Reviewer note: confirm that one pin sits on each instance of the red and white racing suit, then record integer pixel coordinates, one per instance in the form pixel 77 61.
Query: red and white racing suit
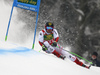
pixel 48 38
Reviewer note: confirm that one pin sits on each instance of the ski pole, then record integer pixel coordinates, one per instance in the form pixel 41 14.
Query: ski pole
pixel 40 50
pixel 76 55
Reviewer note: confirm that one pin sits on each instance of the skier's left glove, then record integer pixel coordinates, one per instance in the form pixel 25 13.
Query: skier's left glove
pixel 54 44
pixel 44 48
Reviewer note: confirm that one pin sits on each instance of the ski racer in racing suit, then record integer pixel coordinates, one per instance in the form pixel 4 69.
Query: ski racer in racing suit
pixel 48 39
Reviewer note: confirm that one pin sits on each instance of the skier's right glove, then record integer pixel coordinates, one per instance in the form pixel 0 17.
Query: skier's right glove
pixel 54 44
pixel 44 48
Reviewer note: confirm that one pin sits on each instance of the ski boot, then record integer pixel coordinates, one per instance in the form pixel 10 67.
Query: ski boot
pixel 62 57
pixel 81 63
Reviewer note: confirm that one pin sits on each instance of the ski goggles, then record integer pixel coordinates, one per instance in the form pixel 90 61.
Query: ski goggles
pixel 49 28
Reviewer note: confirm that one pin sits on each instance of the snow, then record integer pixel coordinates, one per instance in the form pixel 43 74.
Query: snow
pixel 18 60
pixel 87 31
pixel 25 61
pixel 80 11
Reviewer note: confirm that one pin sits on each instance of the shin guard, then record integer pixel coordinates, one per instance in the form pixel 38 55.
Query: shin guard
pixel 56 53
pixel 78 62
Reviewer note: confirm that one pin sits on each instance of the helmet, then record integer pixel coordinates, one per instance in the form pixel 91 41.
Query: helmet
pixel 49 24
pixel 95 53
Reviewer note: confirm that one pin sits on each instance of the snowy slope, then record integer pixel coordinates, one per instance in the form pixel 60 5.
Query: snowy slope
pixel 24 61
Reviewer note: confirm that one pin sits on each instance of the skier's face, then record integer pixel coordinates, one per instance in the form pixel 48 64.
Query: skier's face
pixel 49 29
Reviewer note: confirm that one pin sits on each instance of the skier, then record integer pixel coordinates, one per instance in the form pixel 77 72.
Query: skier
pixel 48 39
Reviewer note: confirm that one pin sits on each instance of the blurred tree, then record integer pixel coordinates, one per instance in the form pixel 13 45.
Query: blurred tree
pixel 88 20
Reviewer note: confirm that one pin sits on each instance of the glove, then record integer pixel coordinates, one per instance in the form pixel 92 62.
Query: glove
pixel 44 48
pixel 54 44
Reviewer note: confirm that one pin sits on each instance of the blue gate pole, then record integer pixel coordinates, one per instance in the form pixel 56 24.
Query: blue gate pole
pixel 35 30
pixel 9 22
pixel 39 1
